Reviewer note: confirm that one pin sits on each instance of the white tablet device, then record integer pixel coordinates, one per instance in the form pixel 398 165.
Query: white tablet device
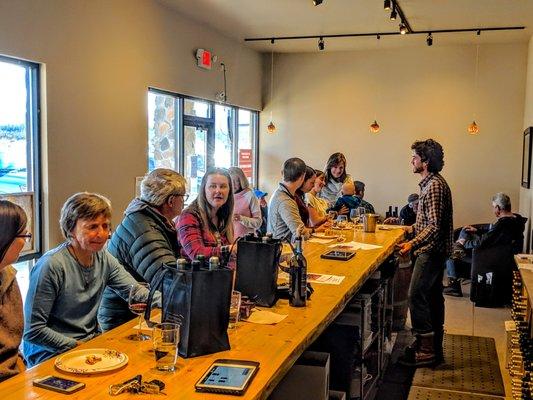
pixel 228 377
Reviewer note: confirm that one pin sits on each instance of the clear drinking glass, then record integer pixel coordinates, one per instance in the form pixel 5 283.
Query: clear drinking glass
pixel 234 309
pixel 166 338
pixel 137 302
pixel 342 221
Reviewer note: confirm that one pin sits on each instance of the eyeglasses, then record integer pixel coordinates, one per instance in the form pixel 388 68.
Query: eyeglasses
pixel 185 196
pixel 27 237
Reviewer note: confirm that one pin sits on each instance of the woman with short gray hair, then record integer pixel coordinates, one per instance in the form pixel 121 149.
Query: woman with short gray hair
pixel 146 239
pixel 67 283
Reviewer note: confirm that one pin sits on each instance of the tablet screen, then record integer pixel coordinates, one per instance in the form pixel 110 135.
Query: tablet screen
pixel 227 376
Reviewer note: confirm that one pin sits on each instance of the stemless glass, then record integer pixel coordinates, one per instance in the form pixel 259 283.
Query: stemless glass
pixel 166 338
pixel 137 303
pixel 342 220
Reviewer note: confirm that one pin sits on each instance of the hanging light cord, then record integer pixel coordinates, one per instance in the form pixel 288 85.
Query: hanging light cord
pixel 271 80
pixel 476 78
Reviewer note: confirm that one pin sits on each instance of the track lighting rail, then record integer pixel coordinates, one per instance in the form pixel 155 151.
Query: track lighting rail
pixel 479 30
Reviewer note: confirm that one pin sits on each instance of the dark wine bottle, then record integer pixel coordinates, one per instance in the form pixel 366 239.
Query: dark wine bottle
pixel 224 256
pixel 196 265
pixel 201 258
pixel 298 276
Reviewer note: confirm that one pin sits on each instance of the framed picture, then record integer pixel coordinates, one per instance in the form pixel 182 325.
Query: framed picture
pixel 526 158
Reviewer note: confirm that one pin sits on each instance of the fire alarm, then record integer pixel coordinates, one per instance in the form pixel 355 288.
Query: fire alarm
pixel 203 57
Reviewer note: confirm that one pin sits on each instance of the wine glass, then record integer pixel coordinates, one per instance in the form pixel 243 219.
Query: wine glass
pixel 342 220
pixel 137 303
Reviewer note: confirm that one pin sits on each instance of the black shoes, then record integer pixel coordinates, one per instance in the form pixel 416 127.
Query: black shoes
pixel 453 288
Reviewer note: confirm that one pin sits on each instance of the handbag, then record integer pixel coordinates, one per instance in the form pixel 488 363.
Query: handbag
pixel 199 301
pixel 257 269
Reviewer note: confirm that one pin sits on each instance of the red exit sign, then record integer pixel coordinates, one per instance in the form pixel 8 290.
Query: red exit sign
pixel 204 58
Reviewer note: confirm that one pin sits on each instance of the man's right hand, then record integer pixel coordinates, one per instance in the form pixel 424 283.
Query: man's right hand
pixel 404 248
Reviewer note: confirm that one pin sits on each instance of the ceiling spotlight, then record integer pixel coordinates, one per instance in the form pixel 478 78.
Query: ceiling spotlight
pixel 479 32
pixel 403 28
pixel 429 39
pixel 321 45
pixel 393 13
pixel 317 2
pixel 386 5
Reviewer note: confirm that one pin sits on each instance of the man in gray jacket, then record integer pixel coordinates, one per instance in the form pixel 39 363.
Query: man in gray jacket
pixel 284 221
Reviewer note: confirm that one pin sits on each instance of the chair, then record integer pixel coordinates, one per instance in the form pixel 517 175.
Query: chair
pixel 492 275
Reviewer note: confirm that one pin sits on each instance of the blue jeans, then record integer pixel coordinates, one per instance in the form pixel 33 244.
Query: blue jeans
pixel 426 302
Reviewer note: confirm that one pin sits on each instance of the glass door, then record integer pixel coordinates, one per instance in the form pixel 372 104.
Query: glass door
pixel 195 156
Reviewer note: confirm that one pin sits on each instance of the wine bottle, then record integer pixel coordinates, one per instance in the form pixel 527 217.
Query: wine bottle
pixel 213 263
pixel 298 276
pixel 201 258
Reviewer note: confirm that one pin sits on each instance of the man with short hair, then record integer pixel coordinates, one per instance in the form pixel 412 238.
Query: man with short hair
pixel 508 229
pixel 360 193
pixel 284 221
pixel 430 247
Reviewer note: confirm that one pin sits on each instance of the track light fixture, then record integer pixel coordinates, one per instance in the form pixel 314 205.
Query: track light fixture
pixel 393 13
pixel 321 45
pixel 317 2
pixel 386 5
pixel 403 28
pixel 429 39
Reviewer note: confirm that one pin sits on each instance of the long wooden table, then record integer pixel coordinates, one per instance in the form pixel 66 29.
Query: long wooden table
pixel 275 347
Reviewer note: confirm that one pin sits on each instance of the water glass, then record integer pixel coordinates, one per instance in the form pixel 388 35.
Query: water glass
pixel 342 220
pixel 165 340
pixel 234 309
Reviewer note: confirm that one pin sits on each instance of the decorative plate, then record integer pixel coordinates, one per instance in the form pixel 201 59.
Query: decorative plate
pixel 322 235
pixel 91 361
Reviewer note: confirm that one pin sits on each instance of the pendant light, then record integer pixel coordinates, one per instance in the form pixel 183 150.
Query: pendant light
pixel 271 128
pixel 473 128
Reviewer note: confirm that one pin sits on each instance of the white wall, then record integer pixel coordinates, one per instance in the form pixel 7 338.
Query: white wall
pixel 101 56
pixel 325 102
pixel 526 194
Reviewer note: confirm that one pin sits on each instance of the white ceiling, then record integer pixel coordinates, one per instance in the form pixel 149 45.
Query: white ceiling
pixel 241 19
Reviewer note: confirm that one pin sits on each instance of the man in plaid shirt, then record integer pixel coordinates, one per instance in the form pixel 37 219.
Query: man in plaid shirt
pixel 430 247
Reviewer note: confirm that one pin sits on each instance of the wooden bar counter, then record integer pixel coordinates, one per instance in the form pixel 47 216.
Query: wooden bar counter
pixel 275 347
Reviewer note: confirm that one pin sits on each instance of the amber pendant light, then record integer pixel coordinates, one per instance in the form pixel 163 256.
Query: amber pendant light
pixel 271 128
pixel 473 128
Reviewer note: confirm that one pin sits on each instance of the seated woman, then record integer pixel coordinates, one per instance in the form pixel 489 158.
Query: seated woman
pixel 145 239
pixel 13 235
pixel 67 283
pixel 206 226
pixel 335 177
pixel 246 210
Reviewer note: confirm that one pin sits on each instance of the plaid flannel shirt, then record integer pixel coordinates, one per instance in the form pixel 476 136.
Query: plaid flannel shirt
pixel 434 220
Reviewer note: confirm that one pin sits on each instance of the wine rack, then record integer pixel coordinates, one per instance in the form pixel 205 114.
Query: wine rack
pixel 520 362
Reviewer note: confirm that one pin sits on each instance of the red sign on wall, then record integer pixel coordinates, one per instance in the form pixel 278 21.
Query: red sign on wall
pixel 245 161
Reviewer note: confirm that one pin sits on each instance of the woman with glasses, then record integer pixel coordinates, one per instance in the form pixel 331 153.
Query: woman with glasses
pixel 146 238
pixel 206 226
pixel 67 283
pixel 246 210
pixel 13 235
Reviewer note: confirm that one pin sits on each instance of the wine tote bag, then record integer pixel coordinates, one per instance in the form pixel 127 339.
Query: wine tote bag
pixel 257 269
pixel 199 301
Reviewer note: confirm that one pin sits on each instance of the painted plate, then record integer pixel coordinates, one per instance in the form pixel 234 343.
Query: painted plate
pixel 91 361
pixel 322 235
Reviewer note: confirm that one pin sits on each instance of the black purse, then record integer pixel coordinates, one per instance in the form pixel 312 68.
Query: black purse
pixel 257 269
pixel 199 301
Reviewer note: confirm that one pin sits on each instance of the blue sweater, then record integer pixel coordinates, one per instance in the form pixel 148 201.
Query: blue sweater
pixel 63 299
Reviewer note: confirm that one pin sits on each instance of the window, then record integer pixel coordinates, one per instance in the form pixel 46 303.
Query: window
pixel 19 144
pixel 191 135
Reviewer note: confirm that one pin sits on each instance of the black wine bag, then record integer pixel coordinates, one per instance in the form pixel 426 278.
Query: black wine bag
pixel 199 301
pixel 257 269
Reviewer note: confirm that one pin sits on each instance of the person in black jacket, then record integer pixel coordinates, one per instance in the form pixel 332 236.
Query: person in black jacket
pixel 145 239
pixel 508 229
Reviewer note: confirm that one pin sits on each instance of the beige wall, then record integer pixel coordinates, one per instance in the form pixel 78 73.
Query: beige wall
pixel 101 56
pixel 324 102
pixel 527 194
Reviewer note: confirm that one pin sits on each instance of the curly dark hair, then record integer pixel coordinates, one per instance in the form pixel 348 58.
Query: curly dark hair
pixel 13 221
pixel 431 152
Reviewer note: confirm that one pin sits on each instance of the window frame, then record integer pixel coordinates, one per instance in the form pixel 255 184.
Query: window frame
pixel 181 120
pixel 33 122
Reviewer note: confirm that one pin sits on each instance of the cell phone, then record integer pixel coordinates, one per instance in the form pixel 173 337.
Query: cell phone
pixel 228 377
pixel 58 384
pixel 338 255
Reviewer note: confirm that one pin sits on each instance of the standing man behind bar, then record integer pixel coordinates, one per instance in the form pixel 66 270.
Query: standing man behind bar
pixel 430 247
